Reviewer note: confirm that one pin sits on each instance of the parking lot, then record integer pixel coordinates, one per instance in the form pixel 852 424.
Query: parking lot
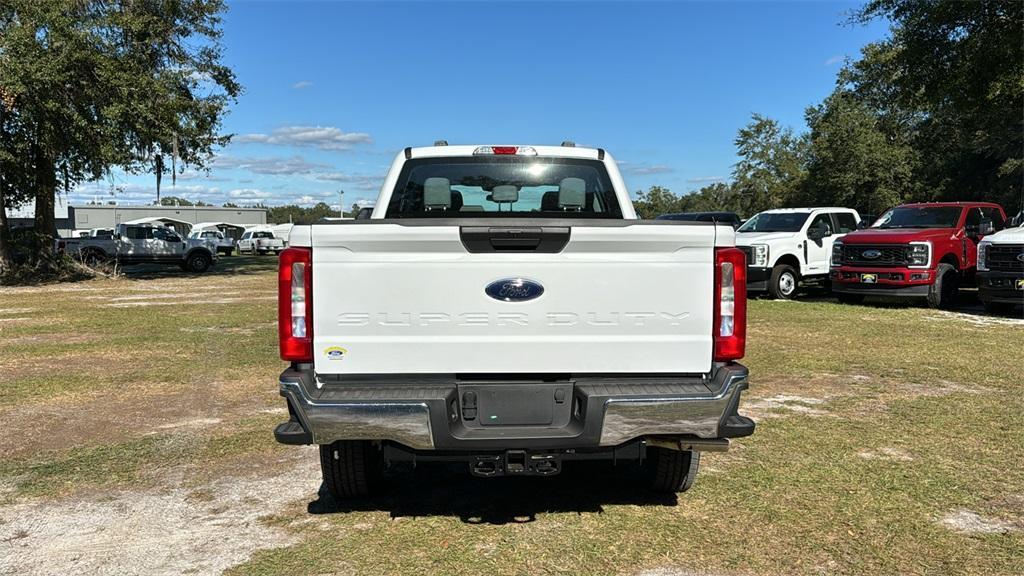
pixel 138 414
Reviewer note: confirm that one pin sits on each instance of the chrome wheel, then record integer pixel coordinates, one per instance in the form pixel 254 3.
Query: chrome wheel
pixel 787 284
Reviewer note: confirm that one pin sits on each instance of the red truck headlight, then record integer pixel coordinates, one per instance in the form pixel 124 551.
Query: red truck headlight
pixel 295 304
pixel 729 321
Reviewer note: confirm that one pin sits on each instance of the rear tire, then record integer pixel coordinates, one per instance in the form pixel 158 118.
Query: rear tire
pixel 351 468
pixel 198 262
pixel 944 291
pixel 850 298
pixel 784 282
pixel 670 471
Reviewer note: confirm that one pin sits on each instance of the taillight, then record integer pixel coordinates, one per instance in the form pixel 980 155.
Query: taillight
pixel 295 304
pixel 730 315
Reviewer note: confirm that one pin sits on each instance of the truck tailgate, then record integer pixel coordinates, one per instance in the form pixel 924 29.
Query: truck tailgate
pixel 402 299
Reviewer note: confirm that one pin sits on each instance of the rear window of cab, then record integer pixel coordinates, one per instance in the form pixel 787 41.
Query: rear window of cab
pixel 502 187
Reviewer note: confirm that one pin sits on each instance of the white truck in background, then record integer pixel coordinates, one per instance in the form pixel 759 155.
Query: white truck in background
pixel 505 308
pixel 789 246
pixel 1001 270
pixel 143 244
pixel 260 240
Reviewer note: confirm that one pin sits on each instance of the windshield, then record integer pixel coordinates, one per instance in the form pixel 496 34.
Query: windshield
pixel 775 222
pixel 908 217
pixel 496 187
pixel 262 235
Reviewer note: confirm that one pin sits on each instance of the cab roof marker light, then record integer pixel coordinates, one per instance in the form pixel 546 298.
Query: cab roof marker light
pixel 505 151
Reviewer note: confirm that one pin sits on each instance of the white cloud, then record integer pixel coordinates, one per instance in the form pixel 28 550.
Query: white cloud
pixel 247 193
pixel 836 59
pixel 641 169
pixel 302 84
pixel 322 137
pixel 705 179
pixel 271 165
pixel 359 181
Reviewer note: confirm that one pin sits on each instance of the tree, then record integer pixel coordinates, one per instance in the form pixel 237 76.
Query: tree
pixel 852 162
pixel 951 75
pixel 771 169
pixel 655 202
pixel 96 84
pixel 715 197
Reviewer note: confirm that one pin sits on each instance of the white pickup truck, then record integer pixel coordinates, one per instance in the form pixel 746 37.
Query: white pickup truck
pixel 788 246
pixel 143 244
pixel 260 241
pixel 504 307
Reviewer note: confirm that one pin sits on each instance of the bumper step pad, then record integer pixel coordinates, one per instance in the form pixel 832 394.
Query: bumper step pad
pixel 292 432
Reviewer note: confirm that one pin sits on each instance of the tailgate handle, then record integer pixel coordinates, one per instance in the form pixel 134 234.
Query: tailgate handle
pixel 542 239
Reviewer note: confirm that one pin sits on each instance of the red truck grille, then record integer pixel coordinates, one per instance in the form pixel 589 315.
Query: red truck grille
pixel 1005 257
pixel 864 254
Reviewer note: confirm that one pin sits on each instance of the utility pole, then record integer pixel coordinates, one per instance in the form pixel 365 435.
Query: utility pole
pixel 341 203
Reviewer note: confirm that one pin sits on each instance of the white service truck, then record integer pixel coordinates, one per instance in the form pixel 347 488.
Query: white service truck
pixel 143 244
pixel 504 307
pixel 788 246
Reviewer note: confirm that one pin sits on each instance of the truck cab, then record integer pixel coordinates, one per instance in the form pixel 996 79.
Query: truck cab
pixel 923 251
pixel 503 307
pixel 789 246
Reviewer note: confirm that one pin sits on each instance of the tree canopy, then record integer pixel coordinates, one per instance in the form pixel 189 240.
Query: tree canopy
pixel 88 85
pixel 933 112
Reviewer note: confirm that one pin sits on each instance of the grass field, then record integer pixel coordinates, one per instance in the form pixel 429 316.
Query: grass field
pixel 137 418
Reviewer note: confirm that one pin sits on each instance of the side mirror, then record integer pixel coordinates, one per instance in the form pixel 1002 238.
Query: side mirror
pixel 816 233
pixel 117 236
pixel 986 227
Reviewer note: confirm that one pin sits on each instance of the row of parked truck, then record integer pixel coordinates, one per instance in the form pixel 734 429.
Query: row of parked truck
pixel 922 251
pixel 152 241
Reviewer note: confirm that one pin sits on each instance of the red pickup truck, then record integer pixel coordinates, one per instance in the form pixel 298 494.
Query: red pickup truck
pixel 915 250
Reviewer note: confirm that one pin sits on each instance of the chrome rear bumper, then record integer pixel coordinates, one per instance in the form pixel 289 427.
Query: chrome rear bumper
pixel 429 412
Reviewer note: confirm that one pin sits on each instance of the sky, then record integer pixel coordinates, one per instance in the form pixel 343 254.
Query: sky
pixel 333 90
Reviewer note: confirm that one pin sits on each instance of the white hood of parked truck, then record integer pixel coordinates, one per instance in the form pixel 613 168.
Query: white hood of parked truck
pixel 1008 236
pixel 749 238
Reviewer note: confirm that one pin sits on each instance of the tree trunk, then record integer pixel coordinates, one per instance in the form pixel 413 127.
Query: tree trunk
pixel 46 190
pixel 5 249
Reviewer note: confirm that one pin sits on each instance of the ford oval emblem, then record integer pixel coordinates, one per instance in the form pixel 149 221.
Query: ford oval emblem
pixel 871 254
pixel 514 289
pixel 1020 256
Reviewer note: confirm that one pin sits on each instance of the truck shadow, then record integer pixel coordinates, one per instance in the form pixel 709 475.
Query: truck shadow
pixel 226 266
pixel 438 489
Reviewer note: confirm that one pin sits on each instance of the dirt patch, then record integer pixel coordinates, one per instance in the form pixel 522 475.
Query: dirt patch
pixel 965 521
pixel 106 418
pixel 887 453
pixel 250 329
pixel 682 571
pixel 141 303
pixel 975 319
pixel 770 407
pixel 6 311
pixel 158 532
pixel 169 295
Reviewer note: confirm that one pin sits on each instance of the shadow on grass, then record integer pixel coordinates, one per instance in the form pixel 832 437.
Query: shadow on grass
pixel 225 266
pixel 443 489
